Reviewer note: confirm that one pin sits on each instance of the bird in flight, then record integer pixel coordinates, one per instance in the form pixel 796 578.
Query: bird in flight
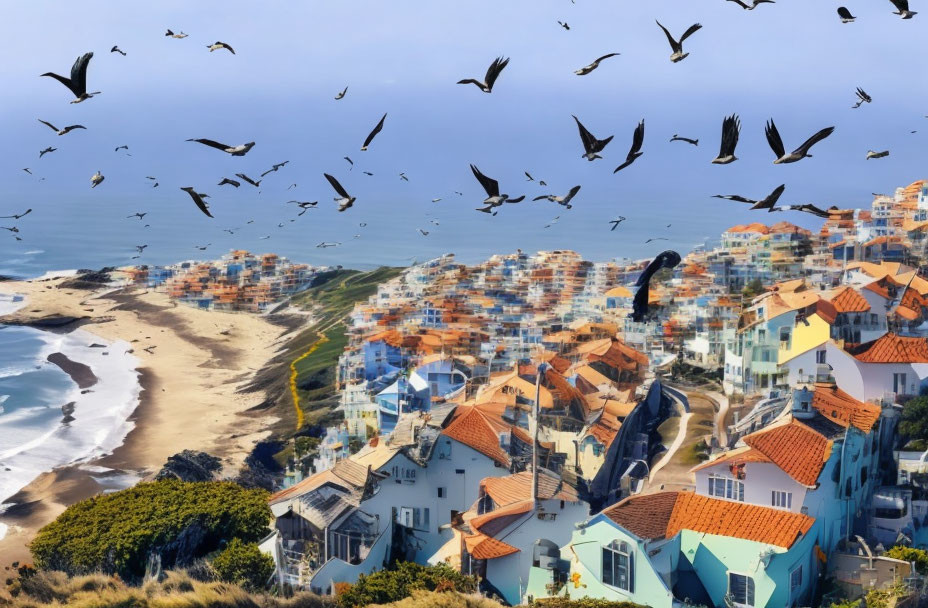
pixel 491 186
pixel 591 146
pixel 656 238
pixel 753 5
pixel 231 182
pixel 731 130
pixel 615 223
pixel 769 202
pixel 137 214
pixel 244 177
pixel 872 154
pixel 902 9
pixel 198 200
pixel 564 25
pixel 341 94
pixel 676 137
pixel 16 216
pixel 274 168
pixel 367 173
pixel 776 144
pixel 343 199
pixel 560 200
pixel 27 170
pixel 63 131
pixel 862 98
pixel 173 35
pixel 423 232
pixel 492 74
pixel 77 83
pixel 325 244
pixel 845 15
pixel 373 133
pixel 118 148
pixel 635 151
pixel 435 200
pixel 140 248
pixel 202 247
pixel 46 151
pixel 216 46
pixel 304 205
pixel 240 150
pixel 350 162
pixel 403 177
pixel 528 176
pixel 96 179
pixel 677 46
pixel 116 49
pixel 589 68
pixel 667 259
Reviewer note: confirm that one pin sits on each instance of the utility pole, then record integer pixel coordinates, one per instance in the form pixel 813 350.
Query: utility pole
pixel 536 408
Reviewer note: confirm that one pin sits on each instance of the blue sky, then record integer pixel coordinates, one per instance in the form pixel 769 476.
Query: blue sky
pixel 793 61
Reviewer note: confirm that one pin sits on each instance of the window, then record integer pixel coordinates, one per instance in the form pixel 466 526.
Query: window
pixel 415 518
pixel 899 383
pixel 795 580
pixel 726 487
pixel 441 492
pixel 781 500
pixel 741 589
pixel 618 566
pixel 820 357
pixel 459 471
pixel 784 334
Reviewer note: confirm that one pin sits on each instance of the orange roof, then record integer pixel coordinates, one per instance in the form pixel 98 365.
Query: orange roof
pixel 663 515
pixel 848 300
pixel 754 227
pixel 515 509
pixel 734 457
pixel 795 448
pixel 892 348
pixel 841 408
pixel 473 428
pixel 518 487
pixel 481 546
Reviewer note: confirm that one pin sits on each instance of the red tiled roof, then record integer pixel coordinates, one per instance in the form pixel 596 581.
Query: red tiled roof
pixel 645 516
pixel 848 300
pixel 795 448
pixel 481 546
pixel 892 348
pixel 841 408
pixel 512 510
pixel 474 429
pixel 518 487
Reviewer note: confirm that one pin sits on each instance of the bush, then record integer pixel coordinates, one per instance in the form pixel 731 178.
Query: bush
pixel 909 554
pixel 845 604
pixel 583 602
pixel 244 564
pixel 914 423
pixel 399 582
pixel 116 533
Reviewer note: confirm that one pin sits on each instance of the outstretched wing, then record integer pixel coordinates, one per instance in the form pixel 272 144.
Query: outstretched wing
pixel 198 200
pixel 494 70
pixel 49 125
pixel 901 5
pixel 673 43
pixel 573 192
pixel 804 148
pixel 79 73
pixel 490 185
pixel 692 30
pixel 336 186
pixel 774 196
pixel 637 140
pixel 736 198
pixel 65 81
pixel 598 59
pixel 211 143
pixel 740 3
pixel 585 136
pixel 374 133
pixel 844 13
pixel 773 138
pixel 731 131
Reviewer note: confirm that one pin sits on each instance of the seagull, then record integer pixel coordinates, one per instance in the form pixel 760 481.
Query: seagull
pixel 11 229
pixel 325 244
pixel 491 186
pixel 423 232
pixel 198 200
pixel 274 168
pixel 676 137
pixel 118 148
pixel 591 146
pixel 343 199
pixel 751 7
pixel 589 68
pixel 678 54
pixel 240 150
pixel 656 238
pixel 46 151
pixel 403 177
pixel 17 215
pixel 304 205
pixel 96 179
pixel 564 25
pixel 560 200
pixel 137 214
pixel 341 94
pixel 373 133
pixel 291 186
pixel 27 170
pixel 77 83
pixel 635 151
pixel 902 9
pixel 776 144
pixel 492 74
pixel 350 162
pixel 731 129
pixel 667 259
pixel 254 183
pixel 367 173
pixel 435 200
pixel 872 154
pixel 116 49
pixel 64 131
pixel 216 46
pixel 862 98
pixel 528 176
pixel 846 16
pixel 140 248
pixel 615 223
pixel 202 248
pixel 231 182
pixel 173 35
pixel 768 203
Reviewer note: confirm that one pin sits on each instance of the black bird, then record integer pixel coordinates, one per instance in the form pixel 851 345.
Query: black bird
pixel 635 151
pixel 118 148
pixel 27 170
pixel 491 186
pixel 768 203
pixel 116 49
pixel 902 9
pixel 64 131
pixel 560 200
pixel 862 98
pixel 589 68
pixel 198 200
pixel 403 177
pixel 304 205
pixel 591 146
pixel 274 168
pixel 77 83
pixel 350 162
pixel 140 248
pixel 615 223
pixel 776 144
pixel 667 259
pixel 341 94
pixel 731 130
pixel 367 173
pixel 423 232
pixel 16 216
pixel 373 133
pixel 46 151
pixel 11 229
pixel 240 150
pixel 542 183
pixel 872 154
pixel 656 238
pixel 244 177
pixel 846 16
pixel 678 54
pixel 528 176
pixel 492 74
pixel 751 7
pixel 202 248
pixel 218 46
pixel 564 25
pixel 291 186
pixel 137 214
pixel 231 182
pixel 676 137
pixel 343 199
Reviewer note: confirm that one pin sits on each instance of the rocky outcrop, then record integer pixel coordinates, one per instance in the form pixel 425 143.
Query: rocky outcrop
pixel 190 466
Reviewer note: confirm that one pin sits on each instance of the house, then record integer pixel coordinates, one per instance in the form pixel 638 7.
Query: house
pixel 890 367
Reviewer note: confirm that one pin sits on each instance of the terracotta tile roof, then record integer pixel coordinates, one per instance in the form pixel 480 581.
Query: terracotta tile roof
pixel 346 474
pixel 892 348
pixel 839 407
pixel 474 429
pixel 848 300
pixel 798 450
pixel 518 487
pixel 645 516
pixel 513 510
pixel 733 457
pixel 754 227
pixel 882 286
pixel 481 546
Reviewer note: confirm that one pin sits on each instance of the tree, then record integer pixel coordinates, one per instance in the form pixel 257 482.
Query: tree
pixel 753 289
pixel 244 564
pixel 910 554
pixel 399 582
pixel 914 423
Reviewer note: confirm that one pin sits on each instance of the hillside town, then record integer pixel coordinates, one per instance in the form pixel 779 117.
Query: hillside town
pixel 738 447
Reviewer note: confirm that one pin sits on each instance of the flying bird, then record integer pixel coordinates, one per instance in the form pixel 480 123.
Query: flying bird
pixel 872 154
pixel 677 46
pixel 776 144
pixel 560 200
pixel 140 248
pixel 635 151
pixel 304 205
pixel 373 133
pixel 768 203
pixel 589 68
pixel 231 182
pixel 96 179
pixel 274 168
pixel 325 244
pixel 667 259
pixel 173 35
pixel 676 137
pixel 902 9
pixel 435 200
pixel 116 49
pixel 46 151
pixel 528 176
pixel 492 74
pixel 731 130
pixel 240 150
pixel 491 186
pixel 343 199
pixel 77 83
pixel 403 177
pixel 198 200
pixel 423 232
pixel 367 173
pixel 615 223
pixel 591 146
pixel 751 7
pixel 564 25
pixel 63 131
pixel 16 216
pixel 244 177
pixel 118 148
pixel 862 98
pixel 202 247
pixel 137 214
pixel 216 46
pixel 27 170
pixel 341 94
pixel 845 15
pixel 656 238
pixel 350 162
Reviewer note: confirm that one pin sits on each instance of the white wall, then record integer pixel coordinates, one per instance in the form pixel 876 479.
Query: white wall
pixel 760 479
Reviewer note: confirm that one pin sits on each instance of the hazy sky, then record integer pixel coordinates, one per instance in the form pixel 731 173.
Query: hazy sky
pixel 793 61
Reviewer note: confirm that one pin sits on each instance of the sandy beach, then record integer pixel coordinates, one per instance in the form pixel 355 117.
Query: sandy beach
pixel 190 365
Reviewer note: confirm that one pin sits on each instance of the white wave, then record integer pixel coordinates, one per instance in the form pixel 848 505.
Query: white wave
pixel 11 302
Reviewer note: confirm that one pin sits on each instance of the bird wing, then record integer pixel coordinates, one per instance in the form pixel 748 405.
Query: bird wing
pixel 247 179
pixel 211 143
pixel 773 138
pixel 844 13
pixel 585 136
pixel 598 59
pixel 65 81
pixel 736 198
pixel 48 124
pixel 739 3
pixel 337 186
pixel 490 185
pixel 774 196
pixel 198 200
pixel 231 50
pixel 731 130
pixel 494 70
pixel 72 127
pixel 901 5
pixel 374 133
pixel 573 192
pixel 637 140
pixel 518 199
pixel 814 210
pixel 540 198
pixel 673 43
pixel 692 30
pixel 268 171
pixel 804 148
pixel 79 73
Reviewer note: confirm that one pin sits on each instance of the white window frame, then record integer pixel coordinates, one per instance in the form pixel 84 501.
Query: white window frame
pixel 781 499
pixel 733 489
pixel 617 550
pixel 749 590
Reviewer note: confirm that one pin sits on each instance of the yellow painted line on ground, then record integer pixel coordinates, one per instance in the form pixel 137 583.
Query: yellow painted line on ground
pixel 293 374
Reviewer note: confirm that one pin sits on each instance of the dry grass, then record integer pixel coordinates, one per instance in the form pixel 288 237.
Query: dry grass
pixel 429 599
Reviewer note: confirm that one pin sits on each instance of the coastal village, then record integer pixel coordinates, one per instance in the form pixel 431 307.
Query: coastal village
pixel 739 447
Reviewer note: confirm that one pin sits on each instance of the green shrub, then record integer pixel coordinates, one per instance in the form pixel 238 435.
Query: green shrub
pixel 244 564
pixel 909 554
pixel 845 604
pixel 116 533
pixel 583 602
pixel 399 582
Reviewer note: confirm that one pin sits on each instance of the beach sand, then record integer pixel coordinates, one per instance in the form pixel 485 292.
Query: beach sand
pixel 192 363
